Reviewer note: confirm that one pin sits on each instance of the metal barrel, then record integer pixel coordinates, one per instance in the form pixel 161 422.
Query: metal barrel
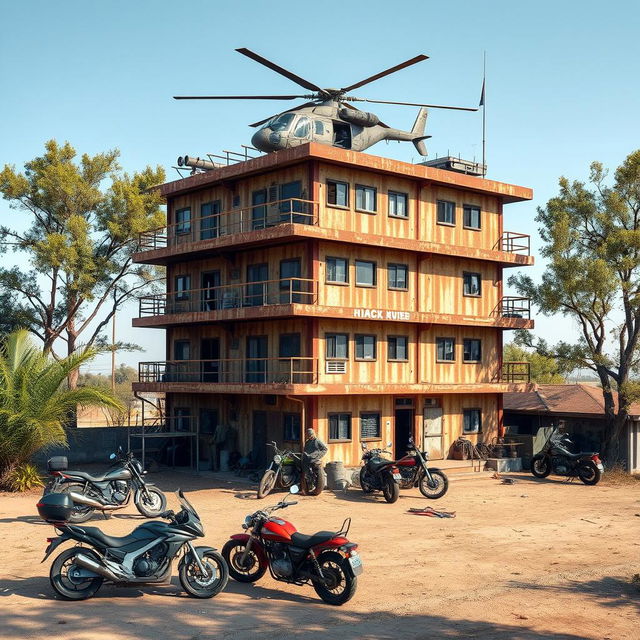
pixel 335 475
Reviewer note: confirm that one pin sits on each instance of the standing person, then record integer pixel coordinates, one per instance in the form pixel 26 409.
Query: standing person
pixel 314 451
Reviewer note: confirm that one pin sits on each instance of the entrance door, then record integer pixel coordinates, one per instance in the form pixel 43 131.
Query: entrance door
pixel 210 356
pixel 256 294
pixel 403 431
pixel 290 269
pixel 433 440
pixel 258 210
pixel 256 364
pixel 259 449
pixel 209 283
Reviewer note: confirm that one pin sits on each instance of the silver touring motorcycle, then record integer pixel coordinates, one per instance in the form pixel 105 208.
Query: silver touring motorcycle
pixel 145 556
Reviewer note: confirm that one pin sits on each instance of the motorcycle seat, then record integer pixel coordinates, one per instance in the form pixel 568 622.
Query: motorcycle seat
pixel 582 454
pixel 85 476
pixel 108 541
pixel 378 463
pixel 304 541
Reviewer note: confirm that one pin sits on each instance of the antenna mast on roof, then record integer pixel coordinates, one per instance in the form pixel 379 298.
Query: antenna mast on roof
pixel 484 121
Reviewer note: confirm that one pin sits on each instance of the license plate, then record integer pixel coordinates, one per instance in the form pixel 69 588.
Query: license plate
pixel 356 565
pixel 397 476
pixel 600 466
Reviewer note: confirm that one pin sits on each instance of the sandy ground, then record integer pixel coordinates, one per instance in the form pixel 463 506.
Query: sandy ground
pixel 536 559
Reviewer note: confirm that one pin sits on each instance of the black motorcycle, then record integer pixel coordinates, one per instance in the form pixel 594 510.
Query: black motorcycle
pixel 108 492
pixel 555 457
pixel 288 468
pixel 143 557
pixel 433 483
pixel 379 474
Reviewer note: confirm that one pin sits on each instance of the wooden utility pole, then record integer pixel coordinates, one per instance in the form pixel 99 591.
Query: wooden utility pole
pixel 113 353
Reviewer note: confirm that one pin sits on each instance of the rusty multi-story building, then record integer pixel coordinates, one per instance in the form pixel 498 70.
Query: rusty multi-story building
pixel 351 293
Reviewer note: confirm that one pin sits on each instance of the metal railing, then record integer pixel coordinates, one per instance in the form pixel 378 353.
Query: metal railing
pixel 516 372
pixel 231 371
pixel 512 242
pixel 242 220
pixel 231 296
pixel 515 307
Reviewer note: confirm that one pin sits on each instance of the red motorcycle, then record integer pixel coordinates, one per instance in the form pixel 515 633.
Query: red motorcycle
pixel 433 483
pixel 325 559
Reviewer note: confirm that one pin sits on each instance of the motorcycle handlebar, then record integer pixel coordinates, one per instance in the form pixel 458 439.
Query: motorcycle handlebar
pixel 169 514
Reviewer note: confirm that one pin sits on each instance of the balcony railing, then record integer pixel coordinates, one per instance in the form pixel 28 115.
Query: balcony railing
pixel 260 216
pixel 231 371
pixel 515 372
pixel 513 307
pixel 232 296
pixel 512 242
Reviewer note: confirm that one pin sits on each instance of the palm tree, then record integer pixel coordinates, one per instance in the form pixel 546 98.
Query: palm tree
pixel 35 401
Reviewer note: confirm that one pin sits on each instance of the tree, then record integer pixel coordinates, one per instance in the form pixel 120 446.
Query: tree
pixel 35 400
pixel 124 376
pixel 591 236
pixel 543 369
pixel 80 240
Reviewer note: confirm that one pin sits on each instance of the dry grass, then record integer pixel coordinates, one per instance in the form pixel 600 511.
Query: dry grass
pixel 618 477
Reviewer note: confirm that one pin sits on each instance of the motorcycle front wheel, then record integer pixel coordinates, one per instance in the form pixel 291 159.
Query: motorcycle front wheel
pixel 212 582
pixel 152 503
pixel 65 583
pixel 435 488
pixel 540 466
pixel 366 488
pixel 589 473
pixel 81 512
pixel 267 483
pixel 340 585
pixel 249 570
pixel 390 489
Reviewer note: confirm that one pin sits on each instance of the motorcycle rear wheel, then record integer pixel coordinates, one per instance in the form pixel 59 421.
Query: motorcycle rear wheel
pixel 313 486
pixel 81 512
pixel 249 571
pixel 390 489
pixel 65 585
pixel 364 485
pixel 267 483
pixel 540 466
pixel 209 585
pixel 435 489
pixel 589 473
pixel 341 584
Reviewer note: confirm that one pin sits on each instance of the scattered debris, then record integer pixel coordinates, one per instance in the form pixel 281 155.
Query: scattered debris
pixel 431 512
pixel 520 616
pixel 591 521
pixel 524 495
pixel 508 481
pixel 496 475
pixel 635 580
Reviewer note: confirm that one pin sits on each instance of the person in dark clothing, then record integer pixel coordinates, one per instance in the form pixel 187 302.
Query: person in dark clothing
pixel 314 451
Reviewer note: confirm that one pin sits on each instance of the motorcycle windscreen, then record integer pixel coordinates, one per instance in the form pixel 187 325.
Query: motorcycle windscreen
pixel 186 504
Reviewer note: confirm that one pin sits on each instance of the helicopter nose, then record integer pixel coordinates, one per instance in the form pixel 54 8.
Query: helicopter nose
pixel 266 140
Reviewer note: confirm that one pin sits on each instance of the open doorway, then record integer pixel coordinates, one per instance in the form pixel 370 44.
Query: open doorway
pixel 403 431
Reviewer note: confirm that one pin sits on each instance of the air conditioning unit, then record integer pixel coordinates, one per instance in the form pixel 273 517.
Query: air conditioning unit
pixel 336 366
pixel 431 402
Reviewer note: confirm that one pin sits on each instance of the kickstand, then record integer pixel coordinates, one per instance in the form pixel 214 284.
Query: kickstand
pixel 104 515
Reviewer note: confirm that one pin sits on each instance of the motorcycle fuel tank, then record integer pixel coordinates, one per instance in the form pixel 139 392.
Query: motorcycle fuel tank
pixel 118 474
pixel 278 530
pixel 407 461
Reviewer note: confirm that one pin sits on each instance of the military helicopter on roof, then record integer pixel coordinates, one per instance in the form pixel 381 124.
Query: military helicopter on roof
pixel 328 117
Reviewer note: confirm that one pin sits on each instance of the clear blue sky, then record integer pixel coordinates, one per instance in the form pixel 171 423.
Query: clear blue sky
pixel 562 85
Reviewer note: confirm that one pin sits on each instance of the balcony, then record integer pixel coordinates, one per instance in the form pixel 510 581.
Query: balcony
pixel 272 371
pixel 516 243
pixel 516 372
pixel 227 223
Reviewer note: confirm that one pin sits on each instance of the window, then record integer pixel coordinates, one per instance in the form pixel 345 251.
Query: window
pixel 398 205
pixel 302 128
pixel 445 349
pixel 209 220
pixel 289 345
pixel 365 273
pixel 471 216
pixel 183 220
pixel 291 426
pixel 208 421
pixel 472 351
pixel 182 421
pixel 337 345
pixel 369 426
pixel 397 276
pixel 337 193
pixel 338 270
pixel 471 284
pixel 339 426
pixel 183 286
pixel 319 127
pixel 280 123
pixel 446 212
pixel 365 198
pixel 471 421
pixel 181 350
pixel 365 347
pixel 397 348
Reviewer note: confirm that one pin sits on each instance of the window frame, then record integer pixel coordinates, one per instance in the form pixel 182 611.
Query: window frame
pixel 182 295
pixel 395 194
pixel 363 358
pixel 338 415
pixel 406 347
pixel 466 274
pixel 444 222
pixel 364 188
pixel 439 339
pixel 326 275
pixel 293 335
pixel 336 205
pixel 291 414
pixel 464 350
pixel 370 438
pixel 466 411
pixel 181 342
pixel 469 207
pixel 375 273
pixel 183 226
pixel 180 413
pixel 406 276
pixel 326 348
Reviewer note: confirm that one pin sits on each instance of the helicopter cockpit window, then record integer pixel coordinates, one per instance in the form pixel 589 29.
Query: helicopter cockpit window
pixel 281 123
pixel 319 127
pixel 302 129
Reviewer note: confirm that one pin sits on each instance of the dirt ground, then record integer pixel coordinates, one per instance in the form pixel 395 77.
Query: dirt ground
pixel 536 559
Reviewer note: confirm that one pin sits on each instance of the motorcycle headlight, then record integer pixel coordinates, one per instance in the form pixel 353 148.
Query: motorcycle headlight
pixel 247 522
pixel 277 459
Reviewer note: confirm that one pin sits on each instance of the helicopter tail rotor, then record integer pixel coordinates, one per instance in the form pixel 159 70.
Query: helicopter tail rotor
pixel 418 131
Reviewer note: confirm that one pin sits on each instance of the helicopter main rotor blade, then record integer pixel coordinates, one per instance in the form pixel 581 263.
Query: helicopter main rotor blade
pixel 283 72
pixel 238 97
pixel 301 106
pixel 413 104
pixel 407 63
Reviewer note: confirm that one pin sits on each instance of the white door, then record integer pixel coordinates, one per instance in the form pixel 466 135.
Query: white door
pixel 433 441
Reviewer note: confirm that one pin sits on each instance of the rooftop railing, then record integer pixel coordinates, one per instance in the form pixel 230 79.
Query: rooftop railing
pixel 516 372
pixel 515 307
pixel 512 242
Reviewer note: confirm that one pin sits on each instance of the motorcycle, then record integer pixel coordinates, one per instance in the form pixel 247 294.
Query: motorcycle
pixel 325 559
pixel 108 492
pixel 433 483
pixel 288 468
pixel 145 556
pixel 379 473
pixel 555 457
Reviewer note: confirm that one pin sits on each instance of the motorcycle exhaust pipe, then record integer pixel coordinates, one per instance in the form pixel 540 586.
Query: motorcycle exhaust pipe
pixel 82 499
pixel 91 565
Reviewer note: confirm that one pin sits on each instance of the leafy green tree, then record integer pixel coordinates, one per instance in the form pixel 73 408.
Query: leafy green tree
pixel 35 401
pixel 543 369
pixel 83 219
pixel 591 235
